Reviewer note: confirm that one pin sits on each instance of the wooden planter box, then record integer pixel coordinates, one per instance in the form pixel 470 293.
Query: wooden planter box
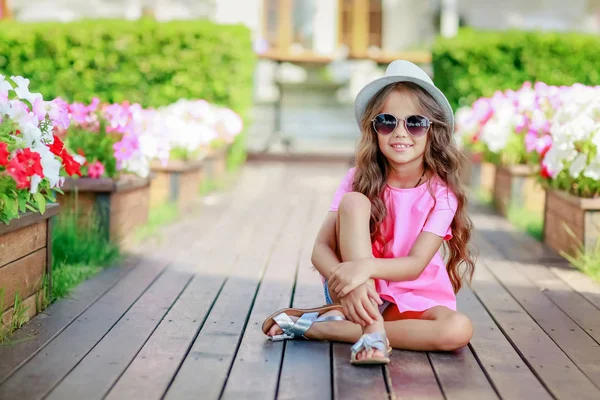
pixel 517 185
pixel 215 165
pixel 121 205
pixel 478 174
pixel 469 171
pixel 178 183
pixel 582 216
pixel 25 261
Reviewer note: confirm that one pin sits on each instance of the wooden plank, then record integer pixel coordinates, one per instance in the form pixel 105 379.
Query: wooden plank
pixel 559 374
pixel 29 218
pixel 153 368
pixel 511 377
pixel 28 340
pixel 455 368
pixel 573 340
pixel 214 349
pixel 570 302
pixel 306 367
pixel 411 376
pixel 353 383
pixel 102 366
pixel 580 282
pixel 22 242
pixel 49 366
pixel 255 372
pixel 23 276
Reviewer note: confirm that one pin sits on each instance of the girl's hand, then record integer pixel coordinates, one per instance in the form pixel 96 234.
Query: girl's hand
pixel 347 276
pixel 360 306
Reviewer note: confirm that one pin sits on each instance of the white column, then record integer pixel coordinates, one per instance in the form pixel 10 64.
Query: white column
pixel 449 18
pixel 247 12
pixel 133 9
pixel 325 27
pixel 401 23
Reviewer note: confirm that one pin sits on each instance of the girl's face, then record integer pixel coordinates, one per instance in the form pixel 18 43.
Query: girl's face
pixel 400 147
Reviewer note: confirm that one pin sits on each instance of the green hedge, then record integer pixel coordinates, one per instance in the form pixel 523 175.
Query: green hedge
pixel 145 61
pixel 476 63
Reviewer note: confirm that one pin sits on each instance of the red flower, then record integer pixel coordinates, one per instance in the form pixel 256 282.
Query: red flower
pixel 31 161
pixel 544 172
pixel 4 154
pixel 18 173
pixel 71 166
pixel 57 147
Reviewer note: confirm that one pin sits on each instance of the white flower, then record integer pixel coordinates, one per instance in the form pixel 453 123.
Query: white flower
pixel 593 170
pixel 30 133
pixel 35 181
pixel 50 165
pixel 138 165
pixel 578 165
pixel 22 89
pixel 5 87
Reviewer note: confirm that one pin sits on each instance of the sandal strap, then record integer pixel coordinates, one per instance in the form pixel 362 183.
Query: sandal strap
pixel 292 330
pixel 368 341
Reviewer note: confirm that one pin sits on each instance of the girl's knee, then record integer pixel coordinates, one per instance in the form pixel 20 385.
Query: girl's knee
pixel 456 332
pixel 354 202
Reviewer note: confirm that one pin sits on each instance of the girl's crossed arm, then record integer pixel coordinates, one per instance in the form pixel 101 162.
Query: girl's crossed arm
pixel 349 275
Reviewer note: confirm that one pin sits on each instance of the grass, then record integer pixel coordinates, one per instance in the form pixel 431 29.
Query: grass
pixel 157 217
pixel 79 251
pixel 587 260
pixel 528 221
pixel 18 318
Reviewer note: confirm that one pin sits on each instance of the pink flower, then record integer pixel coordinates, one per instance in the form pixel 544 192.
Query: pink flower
pixel 79 113
pixel 531 140
pixel 118 117
pixel 56 110
pixel 125 149
pixel 96 170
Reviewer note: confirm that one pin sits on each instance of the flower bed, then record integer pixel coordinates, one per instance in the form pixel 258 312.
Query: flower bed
pixel 554 131
pixel 199 134
pixel 33 164
pixel 177 183
pixel 120 205
pixel 517 185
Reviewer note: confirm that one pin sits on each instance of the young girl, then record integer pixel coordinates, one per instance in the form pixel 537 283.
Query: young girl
pixel 385 280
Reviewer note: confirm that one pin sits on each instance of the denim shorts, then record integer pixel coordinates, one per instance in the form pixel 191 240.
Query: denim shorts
pixel 328 299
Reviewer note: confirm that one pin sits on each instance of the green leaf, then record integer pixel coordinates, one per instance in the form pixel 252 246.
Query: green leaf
pixel 41 202
pixel 22 204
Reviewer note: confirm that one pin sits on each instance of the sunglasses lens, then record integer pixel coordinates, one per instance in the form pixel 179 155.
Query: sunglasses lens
pixel 384 124
pixel 417 125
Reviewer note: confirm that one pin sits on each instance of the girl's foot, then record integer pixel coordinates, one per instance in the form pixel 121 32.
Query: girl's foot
pixel 276 330
pixel 370 349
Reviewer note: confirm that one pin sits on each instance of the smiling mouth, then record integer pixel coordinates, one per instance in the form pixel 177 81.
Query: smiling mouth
pixel 402 146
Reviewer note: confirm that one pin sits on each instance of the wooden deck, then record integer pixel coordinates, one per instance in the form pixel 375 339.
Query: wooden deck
pixel 181 319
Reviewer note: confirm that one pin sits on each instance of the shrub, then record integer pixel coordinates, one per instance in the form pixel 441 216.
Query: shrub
pixel 476 64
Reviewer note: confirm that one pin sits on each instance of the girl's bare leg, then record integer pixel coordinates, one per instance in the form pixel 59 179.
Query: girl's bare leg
pixel 437 329
pixel 354 243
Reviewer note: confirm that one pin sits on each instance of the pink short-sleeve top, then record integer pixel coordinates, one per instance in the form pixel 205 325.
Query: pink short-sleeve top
pixel 410 212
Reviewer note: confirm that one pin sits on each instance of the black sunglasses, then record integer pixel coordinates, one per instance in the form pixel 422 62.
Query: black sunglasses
pixel 416 125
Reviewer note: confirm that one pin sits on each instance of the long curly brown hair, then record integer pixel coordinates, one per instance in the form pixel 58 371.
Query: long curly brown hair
pixel 441 159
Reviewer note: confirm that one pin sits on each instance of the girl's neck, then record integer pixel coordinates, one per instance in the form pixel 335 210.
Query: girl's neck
pixel 406 176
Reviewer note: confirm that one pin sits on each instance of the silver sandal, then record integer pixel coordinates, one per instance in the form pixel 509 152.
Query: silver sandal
pixel 369 341
pixel 306 318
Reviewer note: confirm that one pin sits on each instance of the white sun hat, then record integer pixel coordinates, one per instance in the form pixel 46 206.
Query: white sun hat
pixel 402 71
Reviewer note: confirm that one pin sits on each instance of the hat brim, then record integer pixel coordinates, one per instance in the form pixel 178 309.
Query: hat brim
pixel 370 90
